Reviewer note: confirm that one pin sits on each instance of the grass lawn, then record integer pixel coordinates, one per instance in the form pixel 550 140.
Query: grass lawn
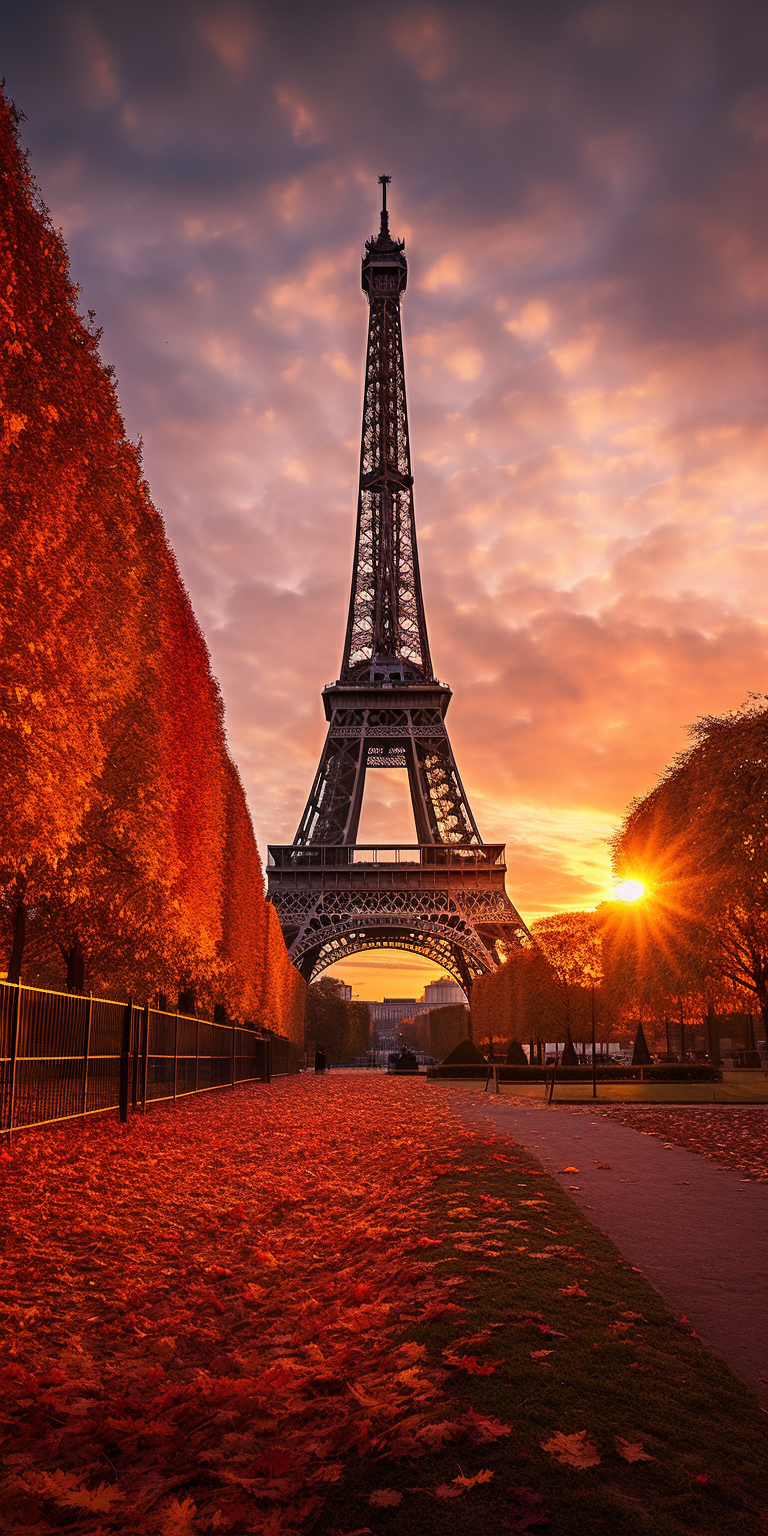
pixel 329 1305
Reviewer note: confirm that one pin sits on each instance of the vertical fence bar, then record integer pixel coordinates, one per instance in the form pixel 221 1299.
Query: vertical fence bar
pixel 175 1053
pixel 87 1052
pixel 197 1054
pixel 145 1063
pixel 125 1059
pixel 269 1058
pixel 233 1055
pixel 135 1040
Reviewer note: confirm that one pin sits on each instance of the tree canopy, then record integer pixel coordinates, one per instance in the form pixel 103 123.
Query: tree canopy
pixel 126 846
pixel 699 843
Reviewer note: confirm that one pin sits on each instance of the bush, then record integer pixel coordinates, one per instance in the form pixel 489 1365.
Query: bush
pixel 658 1074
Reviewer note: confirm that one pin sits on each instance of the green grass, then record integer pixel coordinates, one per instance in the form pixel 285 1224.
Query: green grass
pixel 646 1379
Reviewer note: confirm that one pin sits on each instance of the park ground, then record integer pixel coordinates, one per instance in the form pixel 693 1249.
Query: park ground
pixel 332 1304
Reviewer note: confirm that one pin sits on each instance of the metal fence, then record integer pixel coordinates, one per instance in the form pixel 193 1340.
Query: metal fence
pixel 63 1057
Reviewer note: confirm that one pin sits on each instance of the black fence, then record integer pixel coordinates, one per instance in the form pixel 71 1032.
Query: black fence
pixel 63 1057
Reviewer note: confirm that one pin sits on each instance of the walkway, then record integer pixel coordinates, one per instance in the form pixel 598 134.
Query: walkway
pixel 698 1232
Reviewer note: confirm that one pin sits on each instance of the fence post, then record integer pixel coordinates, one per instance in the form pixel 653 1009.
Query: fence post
pixel 145 1064
pixel 175 1052
pixel 135 1043
pixel 233 1055
pixel 15 1022
pixel 197 1054
pixel 269 1058
pixel 87 1052
pixel 125 1059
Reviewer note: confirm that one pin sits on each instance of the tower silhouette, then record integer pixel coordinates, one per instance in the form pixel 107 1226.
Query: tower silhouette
pixel 444 897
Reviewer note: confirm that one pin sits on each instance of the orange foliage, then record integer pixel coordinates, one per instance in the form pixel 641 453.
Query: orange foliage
pixel 123 825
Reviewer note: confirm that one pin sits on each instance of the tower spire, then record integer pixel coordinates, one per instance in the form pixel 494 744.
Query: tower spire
pixel 386 610
pixel 384 182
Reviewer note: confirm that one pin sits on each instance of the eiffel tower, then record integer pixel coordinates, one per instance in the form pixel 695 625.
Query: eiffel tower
pixel 445 896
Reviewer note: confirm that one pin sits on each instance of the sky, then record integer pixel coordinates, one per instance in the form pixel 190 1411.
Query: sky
pixel 582 191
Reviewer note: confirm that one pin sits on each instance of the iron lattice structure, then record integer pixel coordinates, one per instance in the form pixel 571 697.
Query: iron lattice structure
pixel 444 897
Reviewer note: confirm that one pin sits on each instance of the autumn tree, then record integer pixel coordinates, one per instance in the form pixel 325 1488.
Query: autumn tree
pixel 699 843
pixel 572 943
pixel 126 847
pixel 339 1028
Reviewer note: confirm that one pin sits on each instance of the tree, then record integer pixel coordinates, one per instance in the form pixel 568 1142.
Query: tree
pixel 448 1027
pixel 572 943
pixel 699 843
pixel 127 849
pixel 340 1029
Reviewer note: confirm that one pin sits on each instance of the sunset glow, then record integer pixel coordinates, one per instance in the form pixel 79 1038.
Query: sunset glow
pixel 585 342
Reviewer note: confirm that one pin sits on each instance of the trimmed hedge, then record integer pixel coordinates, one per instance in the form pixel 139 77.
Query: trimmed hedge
pixel 654 1074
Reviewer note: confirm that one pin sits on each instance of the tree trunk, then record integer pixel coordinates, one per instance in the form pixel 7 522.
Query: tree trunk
pixel 75 968
pixel 19 935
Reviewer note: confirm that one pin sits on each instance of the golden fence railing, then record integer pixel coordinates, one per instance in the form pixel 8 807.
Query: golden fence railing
pixel 64 1057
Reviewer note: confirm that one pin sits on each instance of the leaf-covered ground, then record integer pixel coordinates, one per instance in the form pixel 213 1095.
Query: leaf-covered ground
pixel 734 1135
pixel 327 1304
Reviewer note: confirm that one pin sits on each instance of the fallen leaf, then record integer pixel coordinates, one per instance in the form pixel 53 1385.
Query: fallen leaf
pixel 64 1489
pixel 179 1519
pixel 471 1482
pixel 631 1451
pixel 483 1429
pixel 383 1498
pixel 541 1354
pixel 575 1450
pixel 570 1170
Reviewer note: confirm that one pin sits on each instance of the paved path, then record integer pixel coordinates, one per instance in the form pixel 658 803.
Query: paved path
pixel 698 1232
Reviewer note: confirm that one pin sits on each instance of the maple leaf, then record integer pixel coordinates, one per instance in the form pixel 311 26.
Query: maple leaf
pixel 483 1429
pixel 412 1351
pixel 179 1519
pixel 468 1363
pixel 470 1482
pixel 575 1450
pixel 631 1451
pixel 384 1498
pixel 65 1490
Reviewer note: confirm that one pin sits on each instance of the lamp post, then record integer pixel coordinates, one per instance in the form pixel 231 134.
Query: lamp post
pixel 594 1067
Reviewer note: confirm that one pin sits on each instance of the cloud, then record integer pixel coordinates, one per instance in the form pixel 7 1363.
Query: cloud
pixel 581 188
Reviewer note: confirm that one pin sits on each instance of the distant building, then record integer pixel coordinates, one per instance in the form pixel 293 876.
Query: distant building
pixel 440 994
pixel 392 1010
pixel 341 989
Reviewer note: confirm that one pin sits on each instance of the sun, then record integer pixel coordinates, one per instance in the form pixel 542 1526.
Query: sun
pixel 628 890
